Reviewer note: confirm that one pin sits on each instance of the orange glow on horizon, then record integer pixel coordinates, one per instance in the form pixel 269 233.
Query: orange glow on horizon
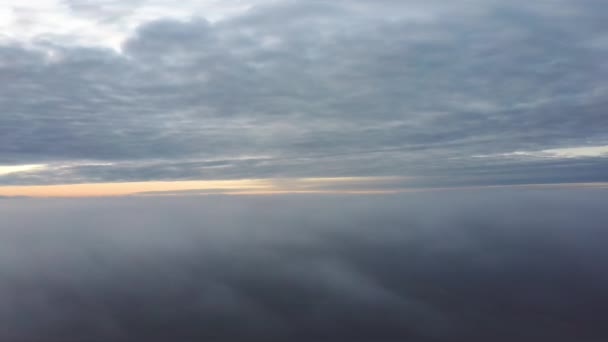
pixel 355 185
pixel 237 187
pixel 130 188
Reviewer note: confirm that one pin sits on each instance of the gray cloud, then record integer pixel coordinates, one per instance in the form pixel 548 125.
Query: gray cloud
pixel 449 266
pixel 322 89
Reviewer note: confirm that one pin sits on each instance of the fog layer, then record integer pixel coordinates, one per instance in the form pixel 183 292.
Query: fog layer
pixel 445 266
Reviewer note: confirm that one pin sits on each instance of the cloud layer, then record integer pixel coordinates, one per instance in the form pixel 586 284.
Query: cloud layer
pixel 309 89
pixel 466 266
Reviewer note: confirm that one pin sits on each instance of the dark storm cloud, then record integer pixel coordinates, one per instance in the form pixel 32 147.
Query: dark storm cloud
pixel 466 266
pixel 362 88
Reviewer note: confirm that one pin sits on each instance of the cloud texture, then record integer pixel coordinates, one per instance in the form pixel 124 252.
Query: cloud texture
pixel 309 89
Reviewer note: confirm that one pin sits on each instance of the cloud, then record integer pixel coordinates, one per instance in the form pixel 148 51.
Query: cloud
pixel 462 266
pixel 7 170
pixel 348 88
pixel 569 152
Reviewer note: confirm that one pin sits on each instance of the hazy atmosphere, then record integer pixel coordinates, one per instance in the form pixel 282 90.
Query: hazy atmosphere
pixel 304 170
pixel 466 266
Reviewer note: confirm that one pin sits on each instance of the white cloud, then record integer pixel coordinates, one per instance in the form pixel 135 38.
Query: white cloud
pixel 104 23
pixel 560 153
pixel 7 170
pixel 574 152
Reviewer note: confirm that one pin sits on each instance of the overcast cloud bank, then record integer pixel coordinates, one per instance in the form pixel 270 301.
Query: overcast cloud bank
pixel 279 89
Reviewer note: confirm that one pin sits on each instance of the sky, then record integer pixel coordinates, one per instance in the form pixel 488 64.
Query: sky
pixel 303 170
pixel 407 94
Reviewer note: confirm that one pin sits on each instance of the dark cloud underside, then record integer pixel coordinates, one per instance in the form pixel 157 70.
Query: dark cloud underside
pixel 315 88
